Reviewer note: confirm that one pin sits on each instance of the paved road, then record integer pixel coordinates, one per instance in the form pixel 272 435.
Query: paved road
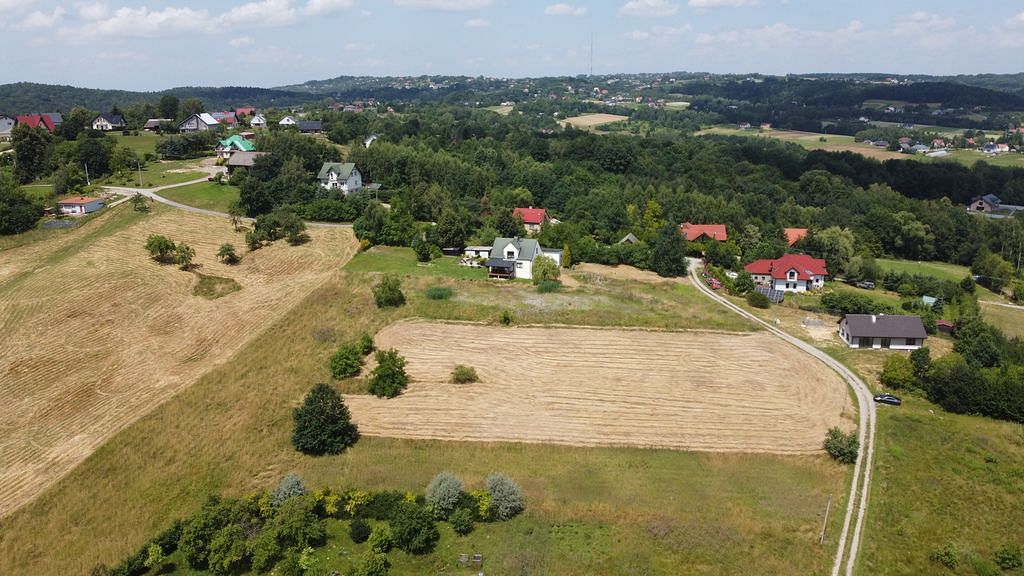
pixel 849 544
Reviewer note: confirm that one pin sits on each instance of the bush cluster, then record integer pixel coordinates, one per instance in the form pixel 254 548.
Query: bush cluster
pixel 388 292
pixel 439 293
pixel 323 424
pixel 758 300
pixel 464 375
pixel 388 379
pixel 842 446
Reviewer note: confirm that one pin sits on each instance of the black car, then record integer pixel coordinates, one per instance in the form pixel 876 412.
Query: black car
pixel 888 399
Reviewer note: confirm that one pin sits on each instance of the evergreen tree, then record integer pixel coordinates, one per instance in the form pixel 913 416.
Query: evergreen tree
pixel 323 424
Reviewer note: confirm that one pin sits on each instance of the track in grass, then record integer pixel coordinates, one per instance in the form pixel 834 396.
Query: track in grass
pixel 593 387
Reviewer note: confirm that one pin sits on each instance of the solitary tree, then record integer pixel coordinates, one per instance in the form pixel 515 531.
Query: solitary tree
pixel 184 255
pixel 139 203
pixel 545 270
pixel 227 254
pixel 161 248
pixel 388 292
pixel 444 493
pixel 323 424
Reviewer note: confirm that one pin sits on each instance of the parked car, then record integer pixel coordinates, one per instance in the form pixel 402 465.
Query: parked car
pixel 714 283
pixel 733 275
pixel 865 285
pixel 888 399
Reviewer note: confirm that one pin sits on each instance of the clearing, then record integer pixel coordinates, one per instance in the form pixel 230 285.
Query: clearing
pixel 97 334
pixel 501 110
pixel 811 141
pixel 582 387
pixel 592 120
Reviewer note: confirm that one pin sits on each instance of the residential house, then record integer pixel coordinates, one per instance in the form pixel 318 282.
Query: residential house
pixel 794 235
pixel 340 176
pixel 514 257
pixel 55 118
pixel 243 160
pixel 225 148
pixel 6 125
pixel 629 239
pixel 33 120
pixel 79 205
pixel 226 118
pixel 198 122
pixel 108 122
pixel 882 331
pixel 986 203
pixel 154 123
pixel 244 111
pixel 533 218
pixel 287 121
pixel 701 232
pixel 310 126
pixel 258 121
pixel 790 273
pixel 938 143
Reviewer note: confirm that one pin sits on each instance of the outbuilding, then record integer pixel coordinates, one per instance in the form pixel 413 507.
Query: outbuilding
pixel 79 205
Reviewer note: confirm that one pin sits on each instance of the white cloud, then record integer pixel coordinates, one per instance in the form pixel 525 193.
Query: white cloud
pixel 1015 21
pixel 241 41
pixel 144 23
pixel 92 11
pixel 781 35
pixel 654 8
pixel 563 9
pixel 262 13
pixel 323 7
pixel 123 56
pixel 920 23
pixel 444 5
pixel 15 5
pixel 719 3
pixel 671 30
pixel 39 20
pixel 638 35
pixel 477 23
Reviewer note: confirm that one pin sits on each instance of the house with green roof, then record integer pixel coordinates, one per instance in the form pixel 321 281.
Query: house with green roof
pixel 228 146
pixel 342 176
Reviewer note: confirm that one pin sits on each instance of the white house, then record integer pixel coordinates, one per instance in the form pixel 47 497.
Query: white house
pixel 258 121
pixel 791 273
pixel 6 125
pixel 287 121
pixel 340 176
pixel 107 122
pixel 514 257
pixel 198 122
pixel 79 205
pixel 882 331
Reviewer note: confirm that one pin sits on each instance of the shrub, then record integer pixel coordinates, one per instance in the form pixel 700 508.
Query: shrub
pixel 382 505
pixel 548 286
pixel 841 446
pixel 481 504
pixel 381 540
pixel 183 255
pixel 264 550
pixel 439 293
pixel 227 254
pixel 347 361
pixel 464 375
pixel 414 529
pixel 985 567
pixel 545 270
pixel 506 318
pixel 323 424
pixel 388 292
pixel 388 379
pixel 898 373
pixel 422 250
pixel 1010 557
pixel 359 530
pixel 462 521
pixel 373 564
pixel 946 556
pixel 758 300
pixel 227 550
pixel 443 494
pixel 289 487
pixel 140 203
pixel 297 524
pixel 155 557
pixel 366 344
pixel 506 497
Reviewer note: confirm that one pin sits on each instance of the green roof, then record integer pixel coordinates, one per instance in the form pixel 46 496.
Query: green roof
pixel 343 170
pixel 238 143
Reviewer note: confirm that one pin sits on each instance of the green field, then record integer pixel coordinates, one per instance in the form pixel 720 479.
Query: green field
pixel 940 270
pixel 391 260
pixel 40 192
pixel 207 195
pixel 155 174
pixel 141 144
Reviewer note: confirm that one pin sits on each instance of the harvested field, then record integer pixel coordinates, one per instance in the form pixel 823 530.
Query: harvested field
pixel 96 334
pixel 622 272
pixel 590 387
pixel 591 120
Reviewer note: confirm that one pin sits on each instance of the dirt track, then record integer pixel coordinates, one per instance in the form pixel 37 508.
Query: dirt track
pixel 96 334
pixel 694 391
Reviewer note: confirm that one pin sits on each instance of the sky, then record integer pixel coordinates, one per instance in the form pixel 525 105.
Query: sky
pixel 152 45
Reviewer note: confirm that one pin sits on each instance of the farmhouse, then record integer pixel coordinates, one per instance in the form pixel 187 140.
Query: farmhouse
pixel 533 218
pixel 6 125
pixel 794 235
pixel 340 176
pixel 228 146
pixel 108 122
pixel 882 331
pixel 198 122
pixel 791 273
pixel 79 205
pixel 514 257
pixel 701 232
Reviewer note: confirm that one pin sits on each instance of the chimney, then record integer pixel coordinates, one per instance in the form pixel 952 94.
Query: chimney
pixel 874 318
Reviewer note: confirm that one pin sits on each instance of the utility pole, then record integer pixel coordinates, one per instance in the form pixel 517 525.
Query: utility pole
pixel 88 182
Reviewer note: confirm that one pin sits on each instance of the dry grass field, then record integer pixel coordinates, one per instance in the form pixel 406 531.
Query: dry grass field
pixel 707 391
pixel 96 334
pixel 811 141
pixel 592 120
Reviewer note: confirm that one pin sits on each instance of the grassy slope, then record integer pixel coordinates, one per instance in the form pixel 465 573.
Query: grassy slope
pixel 590 510
pixel 208 195
pixel 144 142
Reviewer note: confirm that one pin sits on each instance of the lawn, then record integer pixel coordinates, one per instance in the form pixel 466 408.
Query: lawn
pixel 39 192
pixel 141 144
pixel 207 195
pixel 940 270
pixel 392 260
pixel 162 173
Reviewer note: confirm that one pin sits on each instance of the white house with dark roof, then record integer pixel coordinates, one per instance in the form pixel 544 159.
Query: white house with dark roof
pixel 342 176
pixel 881 331
pixel 514 257
pixel 107 122
pixel 198 122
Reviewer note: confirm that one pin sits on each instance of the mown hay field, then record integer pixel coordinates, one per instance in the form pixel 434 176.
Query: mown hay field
pixel 592 120
pixel 96 334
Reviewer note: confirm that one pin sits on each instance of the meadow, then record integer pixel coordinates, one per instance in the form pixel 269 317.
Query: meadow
pixel 207 195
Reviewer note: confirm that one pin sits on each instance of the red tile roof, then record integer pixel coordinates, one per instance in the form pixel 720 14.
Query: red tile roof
pixel 75 200
pixel 531 215
pixel 245 111
pixel 695 231
pixel 805 267
pixel 34 120
pixel 794 235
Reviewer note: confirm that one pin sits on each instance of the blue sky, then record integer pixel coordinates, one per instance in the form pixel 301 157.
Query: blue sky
pixel 137 45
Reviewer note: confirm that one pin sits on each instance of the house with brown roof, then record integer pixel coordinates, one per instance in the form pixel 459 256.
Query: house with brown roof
pixel 881 331
pixel 533 218
pixel 79 205
pixel 790 273
pixel 794 235
pixel 701 232
pixel 243 160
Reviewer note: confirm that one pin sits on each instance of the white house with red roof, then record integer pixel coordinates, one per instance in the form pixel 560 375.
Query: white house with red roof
pixel 790 273
pixel 533 218
pixel 699 232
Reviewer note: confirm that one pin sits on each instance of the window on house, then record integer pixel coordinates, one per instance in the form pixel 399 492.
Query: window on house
pixel 911 341
pixel 864 342
pixel 519 265
pixel 510 254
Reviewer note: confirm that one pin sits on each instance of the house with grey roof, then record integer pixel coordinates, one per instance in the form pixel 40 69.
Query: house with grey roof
pixel 514 257
pixel 242 159
pixel 342 176
pixel 310 126
pixel 198 122
pixel 882 331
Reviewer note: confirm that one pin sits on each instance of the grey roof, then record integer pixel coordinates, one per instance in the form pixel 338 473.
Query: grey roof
pixel 55 117
pixel 989 198
pixel 523 245
pixel 884 326
pixel 343 170
pixel 309 125
pixel 629 238
pixel 498 263
pixel 112 119
pixel 244 159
